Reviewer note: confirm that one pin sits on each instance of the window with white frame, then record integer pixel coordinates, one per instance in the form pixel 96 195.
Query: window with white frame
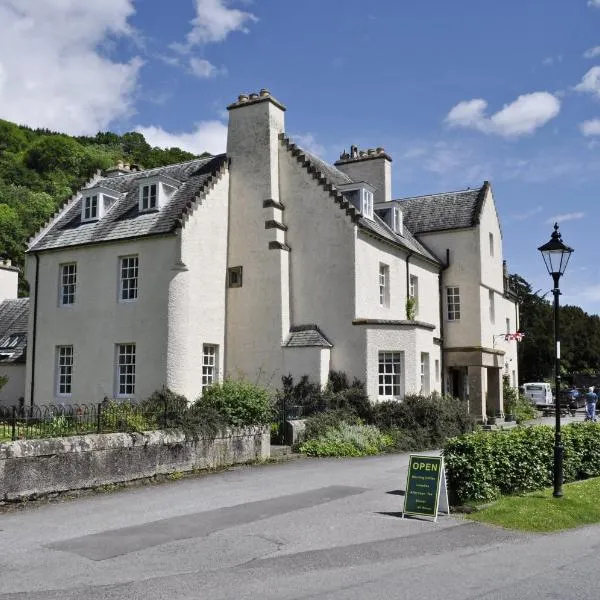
pixel 491 244
pixel 492 306
pixel 384 285
pixel 125 370
pixel 453 303
pixel 90 208
pixel 128 277
pixel 64 370
pixel 413 290
pixel 210 355
pixel 397 220
pixel 149 200
pixel 367 203
pixel 390 375
pixel 425 373
pixel 68 283
pixel 12 341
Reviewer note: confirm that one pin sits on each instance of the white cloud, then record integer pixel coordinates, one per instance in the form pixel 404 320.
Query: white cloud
pixel 550 60
pixel 565 217
pixel 208 136
pixel 592 52
pixel 527 214
pixel 52 73
pixel 214 21
pixel 204 69
pixel 526 114
pixel 594 3
pixel 309 142
pixel 591 127
pixel 590 82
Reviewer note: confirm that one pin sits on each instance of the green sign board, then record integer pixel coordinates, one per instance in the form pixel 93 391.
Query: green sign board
pixel 425 486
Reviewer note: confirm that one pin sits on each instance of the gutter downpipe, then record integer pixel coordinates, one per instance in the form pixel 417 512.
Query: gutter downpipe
pixel 33 333
pixel 441 296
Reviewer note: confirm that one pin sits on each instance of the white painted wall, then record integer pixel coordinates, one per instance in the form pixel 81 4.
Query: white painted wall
pixel 257 312
pixel 197 295
pixel 464 272
pixel 9 281
pixel 376 171
pixel 310 360
pixel 98 321
pixel 15 387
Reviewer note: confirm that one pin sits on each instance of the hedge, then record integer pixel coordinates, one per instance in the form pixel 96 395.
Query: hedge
pixel 482 465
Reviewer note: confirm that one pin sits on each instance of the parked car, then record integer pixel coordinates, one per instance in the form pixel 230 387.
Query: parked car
pixel 539 393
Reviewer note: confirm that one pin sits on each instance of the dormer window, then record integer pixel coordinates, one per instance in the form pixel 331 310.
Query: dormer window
pixel 90 208
pixel 96 202
pixel 149 197
pixel 367 204
pixel 397 221
pixel 156 191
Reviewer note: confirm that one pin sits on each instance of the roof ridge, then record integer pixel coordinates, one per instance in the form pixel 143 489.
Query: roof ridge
pixel 477 189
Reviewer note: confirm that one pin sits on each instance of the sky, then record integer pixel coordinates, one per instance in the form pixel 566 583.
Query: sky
pixel 456 92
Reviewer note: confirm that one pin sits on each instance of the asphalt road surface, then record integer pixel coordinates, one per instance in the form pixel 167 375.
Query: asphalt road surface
pixel 301 530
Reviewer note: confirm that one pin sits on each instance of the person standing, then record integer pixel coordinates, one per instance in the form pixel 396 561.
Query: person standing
pixel 590 405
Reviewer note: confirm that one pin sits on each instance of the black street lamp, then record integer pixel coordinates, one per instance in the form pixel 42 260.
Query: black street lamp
pixel 556 257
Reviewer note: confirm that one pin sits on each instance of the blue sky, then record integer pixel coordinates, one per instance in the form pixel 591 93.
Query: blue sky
pixel 457 92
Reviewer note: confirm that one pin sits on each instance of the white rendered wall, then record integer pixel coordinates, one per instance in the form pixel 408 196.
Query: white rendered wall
pixel 9 283
pixel 376 171
pixel 197 301
pixel 15 387
pixel 257 312
pixel 322 241
pixel 463 272
pixel 311 361
pixel 98 320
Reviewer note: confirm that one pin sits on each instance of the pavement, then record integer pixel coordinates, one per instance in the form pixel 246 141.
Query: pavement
pixel 306 529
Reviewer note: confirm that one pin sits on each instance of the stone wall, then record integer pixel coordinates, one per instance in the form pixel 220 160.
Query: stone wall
pixel 36 467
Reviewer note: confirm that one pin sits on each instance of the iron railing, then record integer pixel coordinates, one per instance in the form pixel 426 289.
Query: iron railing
pixel 58 420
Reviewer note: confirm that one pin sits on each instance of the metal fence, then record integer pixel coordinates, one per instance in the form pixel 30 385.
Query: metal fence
pixel 58 420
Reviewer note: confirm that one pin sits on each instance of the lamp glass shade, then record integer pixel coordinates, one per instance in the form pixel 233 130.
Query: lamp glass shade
pixel 555 253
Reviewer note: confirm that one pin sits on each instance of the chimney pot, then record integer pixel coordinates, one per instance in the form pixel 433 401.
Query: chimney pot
pixel 264 92
pixel 380 150
pixel 242 98
pixel 370 152
pixel 253 96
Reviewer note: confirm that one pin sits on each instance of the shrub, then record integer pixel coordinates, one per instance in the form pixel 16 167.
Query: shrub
pixel 516 404
pixel 122 416
pixel 239 402
pixel 482 465
pixel 318 424
pixel 347 440
pixel 427 421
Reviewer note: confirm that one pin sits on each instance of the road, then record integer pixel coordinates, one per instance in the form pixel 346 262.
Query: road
pixel 306 529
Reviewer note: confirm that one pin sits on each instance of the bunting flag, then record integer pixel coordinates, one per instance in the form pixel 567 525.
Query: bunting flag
pixel 518 336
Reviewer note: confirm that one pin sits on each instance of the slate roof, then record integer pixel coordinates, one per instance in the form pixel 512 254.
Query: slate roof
pixel 307 335
pixel 13 330
pixel 439 212
pixel 376 226
pixel 123 220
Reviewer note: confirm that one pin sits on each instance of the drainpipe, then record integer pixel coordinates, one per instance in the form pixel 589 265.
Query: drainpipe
pixel 34 331
pixel 441 296
pixel 407 280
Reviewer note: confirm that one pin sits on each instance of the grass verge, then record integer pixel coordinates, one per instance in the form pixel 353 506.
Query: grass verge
pixel 540 512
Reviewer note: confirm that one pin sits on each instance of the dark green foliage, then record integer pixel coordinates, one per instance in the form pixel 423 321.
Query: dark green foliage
pixel 425 421
pixel 347 439
pixel 241 403
pixel 319 423
pixel 40 169
pixel 580 335
pixel 516 404
pixel 482 465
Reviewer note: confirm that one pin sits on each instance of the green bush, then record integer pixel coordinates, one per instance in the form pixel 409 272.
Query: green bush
pixel 240 403
pixel 483 465
pixel 426 421
pixel 516 404
pixel 122 416
pixel 319 423
pixel 347 440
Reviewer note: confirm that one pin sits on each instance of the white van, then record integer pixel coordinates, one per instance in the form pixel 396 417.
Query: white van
pixel 539 394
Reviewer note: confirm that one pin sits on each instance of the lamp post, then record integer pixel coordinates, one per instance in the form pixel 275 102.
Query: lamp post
pixel 556 257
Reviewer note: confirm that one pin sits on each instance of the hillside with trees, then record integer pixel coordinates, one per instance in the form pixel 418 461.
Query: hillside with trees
pixel 579 332
pixel 40 169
